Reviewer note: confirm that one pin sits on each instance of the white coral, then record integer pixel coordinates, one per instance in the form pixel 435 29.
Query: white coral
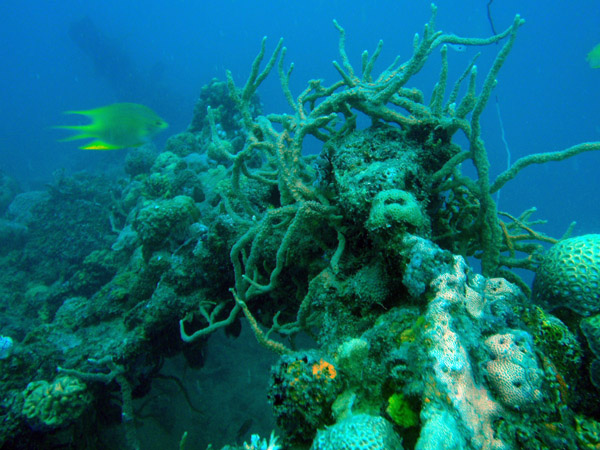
pixel 256 443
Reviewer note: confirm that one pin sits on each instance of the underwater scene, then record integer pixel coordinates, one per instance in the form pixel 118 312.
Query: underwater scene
pixel 301 225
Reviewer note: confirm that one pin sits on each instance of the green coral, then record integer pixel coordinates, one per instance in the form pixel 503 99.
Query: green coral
pixel 401 411
pixel 57 403
pixel 556 341
pixel 587 433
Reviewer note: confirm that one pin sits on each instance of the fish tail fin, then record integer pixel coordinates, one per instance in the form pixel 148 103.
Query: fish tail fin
pixel 84 132
pixel 100 145
pixel 71 127
pixel 91 114
pixel 82 112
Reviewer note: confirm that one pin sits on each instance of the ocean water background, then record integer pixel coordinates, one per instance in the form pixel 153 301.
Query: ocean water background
pixel 161 54
pixel 547 94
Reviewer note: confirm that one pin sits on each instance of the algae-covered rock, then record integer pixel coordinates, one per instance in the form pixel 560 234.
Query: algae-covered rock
pixel 591 330
pixel 21 209
pixel 303 388
pixel 160 221
pixel 96 270
pixel 65 224
pixel 587 432
pixel 366 163
pixel 217 96
pixel 557 343
pixel 12 234
pixel 139 160
pixel 171 176
pixel 8 189
pixel 183 144
pixel 590 327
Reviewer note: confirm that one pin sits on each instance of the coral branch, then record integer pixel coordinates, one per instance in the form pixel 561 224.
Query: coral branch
pixel 541 158
pixel 262 339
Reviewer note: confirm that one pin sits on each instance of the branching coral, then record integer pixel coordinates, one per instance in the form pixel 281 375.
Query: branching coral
pixel 304 233
pixel 317 111
pixel 329 111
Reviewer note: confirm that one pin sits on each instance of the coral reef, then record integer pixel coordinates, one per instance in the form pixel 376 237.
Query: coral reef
pixel 362 251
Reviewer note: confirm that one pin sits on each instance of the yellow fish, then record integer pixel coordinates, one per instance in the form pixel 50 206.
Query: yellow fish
pixel 593 57
pixel 115 126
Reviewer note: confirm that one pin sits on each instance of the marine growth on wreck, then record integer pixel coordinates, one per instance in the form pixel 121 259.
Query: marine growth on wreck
pixel 353 267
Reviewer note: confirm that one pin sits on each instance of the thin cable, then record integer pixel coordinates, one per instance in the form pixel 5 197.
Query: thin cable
pixel 503 134
pixel 489 14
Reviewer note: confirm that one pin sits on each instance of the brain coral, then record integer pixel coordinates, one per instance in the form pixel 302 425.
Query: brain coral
pixel 57 403
pixel 358 432
pixel 513 371
pixel 569 276
pixel 395 206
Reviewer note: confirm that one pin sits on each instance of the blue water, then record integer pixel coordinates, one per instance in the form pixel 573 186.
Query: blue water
pixel 547 94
